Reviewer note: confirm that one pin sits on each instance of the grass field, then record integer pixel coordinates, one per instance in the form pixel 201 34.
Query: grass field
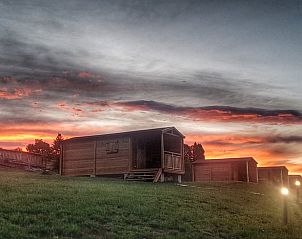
pixel 39 206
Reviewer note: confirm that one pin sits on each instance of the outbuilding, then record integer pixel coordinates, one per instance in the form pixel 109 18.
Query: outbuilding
pixel 293 178
pixel 276 174
pixel 226 169
pixel 152 154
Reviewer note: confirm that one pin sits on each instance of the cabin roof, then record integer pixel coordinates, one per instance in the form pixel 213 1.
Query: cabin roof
pixel 295 176
pixel 225 160
pixel 273 167
pixel 128 133
pixel 15 151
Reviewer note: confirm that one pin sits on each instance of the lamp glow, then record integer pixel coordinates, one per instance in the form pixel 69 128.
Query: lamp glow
pixel 297 183
pixel 284 191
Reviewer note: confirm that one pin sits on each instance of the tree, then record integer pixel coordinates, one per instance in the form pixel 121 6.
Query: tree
pixel 198 152
pixel 194 152
pixel 56 145
pixel 51 154
pixel 42 148
pixel 18 149
pixel 39 147
pixel 56 149
pixel 188 152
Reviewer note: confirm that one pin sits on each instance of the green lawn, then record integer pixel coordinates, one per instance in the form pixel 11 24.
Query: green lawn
pixel 39 206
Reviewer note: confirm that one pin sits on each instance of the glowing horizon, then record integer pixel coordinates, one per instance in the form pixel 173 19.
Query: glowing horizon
pixel 227 75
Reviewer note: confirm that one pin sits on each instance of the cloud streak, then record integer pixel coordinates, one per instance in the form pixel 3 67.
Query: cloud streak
pixel 219 113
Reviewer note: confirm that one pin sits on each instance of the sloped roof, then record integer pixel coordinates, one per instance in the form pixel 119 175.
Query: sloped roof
pixel 225 160
pixel 128 133
pixel 295 176
pixel 273 167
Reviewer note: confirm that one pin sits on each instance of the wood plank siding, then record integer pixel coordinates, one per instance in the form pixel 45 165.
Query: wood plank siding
pixel 277 175
pixel 96 157
pixel 121 153
pixel 239 169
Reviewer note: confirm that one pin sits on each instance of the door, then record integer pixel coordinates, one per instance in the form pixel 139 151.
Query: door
pixel 141 155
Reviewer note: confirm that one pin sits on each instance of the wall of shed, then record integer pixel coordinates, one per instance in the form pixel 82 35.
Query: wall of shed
pixel 96 157
pixel 273 175
pixel 212 172
pixel 253 172
pixel 113 162
pixel 224 171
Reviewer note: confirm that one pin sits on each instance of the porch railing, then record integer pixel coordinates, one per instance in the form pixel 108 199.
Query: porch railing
pixel 172 160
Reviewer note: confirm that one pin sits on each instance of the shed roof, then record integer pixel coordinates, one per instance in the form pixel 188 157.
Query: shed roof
pixel 128 133
pixel 225 160
pixel 295 176
pixel 273 167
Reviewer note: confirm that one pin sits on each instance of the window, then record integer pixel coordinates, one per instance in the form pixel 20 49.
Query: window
pixel 112 147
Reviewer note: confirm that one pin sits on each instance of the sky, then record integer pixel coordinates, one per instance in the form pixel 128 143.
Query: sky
pixel 227 74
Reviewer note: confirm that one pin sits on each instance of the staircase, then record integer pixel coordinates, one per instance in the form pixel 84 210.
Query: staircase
pixel 147 175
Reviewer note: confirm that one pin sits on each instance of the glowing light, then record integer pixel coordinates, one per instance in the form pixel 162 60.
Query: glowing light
pixel 297 183
pixel 284 191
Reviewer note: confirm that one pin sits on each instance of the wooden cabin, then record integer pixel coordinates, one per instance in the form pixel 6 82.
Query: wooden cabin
pixel 20 159
pixel 293 178
pixel 227 169
pixel 277 175
pixel 152 154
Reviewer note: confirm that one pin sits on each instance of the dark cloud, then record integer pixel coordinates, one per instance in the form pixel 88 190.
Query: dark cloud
pixel 285 139
pixel 221 112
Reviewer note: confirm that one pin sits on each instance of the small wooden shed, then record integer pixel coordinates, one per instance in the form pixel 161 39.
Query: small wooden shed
pixel 226 169
pixel 293 178
pixel 152 154
pixel 275 174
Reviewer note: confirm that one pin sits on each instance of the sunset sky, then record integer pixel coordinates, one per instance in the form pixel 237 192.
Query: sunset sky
pixel 227 74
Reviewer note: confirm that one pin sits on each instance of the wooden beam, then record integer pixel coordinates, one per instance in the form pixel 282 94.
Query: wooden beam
pixel 193 172
pixel 162 151
pixel 94 156
pixel 257 176
pixel 130 154
pixel 282 177
pixel 61 160
pixel 247 172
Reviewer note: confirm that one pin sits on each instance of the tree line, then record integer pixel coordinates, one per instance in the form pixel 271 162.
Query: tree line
pixel 51 153
pixel 194 152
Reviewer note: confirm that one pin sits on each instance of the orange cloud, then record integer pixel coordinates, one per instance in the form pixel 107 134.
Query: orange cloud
pixel 15 93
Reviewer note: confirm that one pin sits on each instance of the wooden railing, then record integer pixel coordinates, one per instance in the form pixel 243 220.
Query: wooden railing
pixel 172 160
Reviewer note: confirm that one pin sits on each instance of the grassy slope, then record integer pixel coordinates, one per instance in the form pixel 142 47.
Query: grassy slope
pixel 36 206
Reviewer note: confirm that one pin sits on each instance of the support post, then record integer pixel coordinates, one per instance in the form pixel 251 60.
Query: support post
pixel 162 178
pixel 285 210
pixel 94 158
pixel 193 172
pixel 247 172
pixel 61 160
pixel 257 176
pixel 281 173
pixel 162 151
pixel 179 178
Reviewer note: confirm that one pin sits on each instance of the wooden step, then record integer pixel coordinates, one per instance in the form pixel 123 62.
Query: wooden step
pixel 142 175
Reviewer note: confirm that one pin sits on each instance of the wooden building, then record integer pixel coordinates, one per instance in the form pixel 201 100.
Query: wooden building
pixel 276 174
pixel 293 178
pixel 153 154
pixel 227 169
pixel 20 159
